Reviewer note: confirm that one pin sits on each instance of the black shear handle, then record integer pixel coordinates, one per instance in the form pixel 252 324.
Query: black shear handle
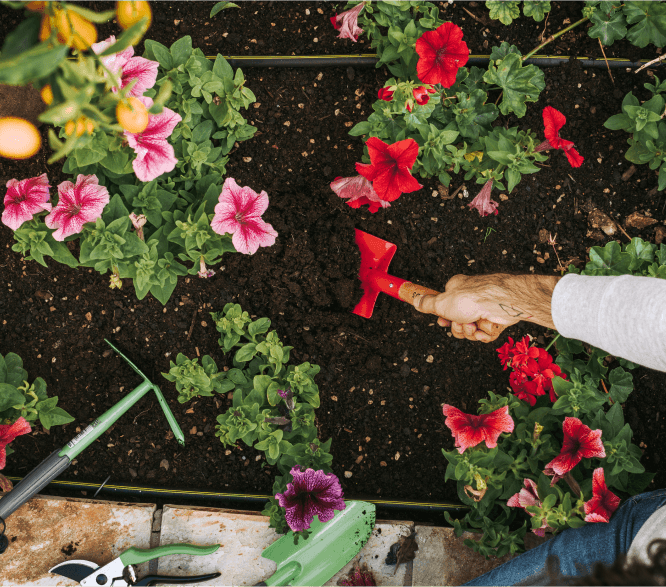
pixel 155 579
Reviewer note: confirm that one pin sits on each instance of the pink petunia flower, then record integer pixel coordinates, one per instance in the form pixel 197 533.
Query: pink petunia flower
pixel 239 213
pixel 442 53
pixel 580 442
pixel 24 199
pixel 128 67
pixel 385 94
pixel 154 154
pixel 603 503
pixel 469 430
pixel 553 121
pixel 483 203
pixel 359 191
pixel 389 168
pixel 77 204
pixel 349 28
pixel 8 432
pixel 528 496
pixel 312 493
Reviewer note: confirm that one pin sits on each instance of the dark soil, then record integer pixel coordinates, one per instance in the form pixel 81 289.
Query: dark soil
pixel 382 380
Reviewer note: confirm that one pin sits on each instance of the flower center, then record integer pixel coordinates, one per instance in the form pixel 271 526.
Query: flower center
pixel 74 210
pixel 240 218
pixel 441 53
pixel 20 198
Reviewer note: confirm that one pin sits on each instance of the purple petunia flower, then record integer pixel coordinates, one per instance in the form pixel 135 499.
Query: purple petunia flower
pixel 312 493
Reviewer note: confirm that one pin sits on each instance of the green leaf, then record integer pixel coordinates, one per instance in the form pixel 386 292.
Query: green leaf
pixel 23 37
pixel 246 352
pixel 259 326
pixel 128 38
pixel 114 209
pixel 622 384
pixel 608 28
pixel 222 6
pixel 54 417
pixel 10 396
pixel 362 128
pixel 503 10
pixel 536 9
pixel 181 50
pixel 163 292
pixel 610 258
pixel 616 419
pixel 160 52
pixel 222 69
pixel 519 84
pixel 649 20
pixel 36 63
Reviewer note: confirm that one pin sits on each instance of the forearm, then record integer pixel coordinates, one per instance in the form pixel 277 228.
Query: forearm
pixel 521 297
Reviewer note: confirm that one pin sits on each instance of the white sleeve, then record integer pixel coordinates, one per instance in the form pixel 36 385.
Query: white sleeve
pixel 624 315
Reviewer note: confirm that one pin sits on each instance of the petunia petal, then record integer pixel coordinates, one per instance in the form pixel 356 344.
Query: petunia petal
pixel 144 71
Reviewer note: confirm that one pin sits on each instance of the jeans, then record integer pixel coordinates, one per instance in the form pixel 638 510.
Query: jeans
pixel 578 549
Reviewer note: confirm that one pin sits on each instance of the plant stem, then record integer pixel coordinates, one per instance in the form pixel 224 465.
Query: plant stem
pixel 550 344
pixel 553 37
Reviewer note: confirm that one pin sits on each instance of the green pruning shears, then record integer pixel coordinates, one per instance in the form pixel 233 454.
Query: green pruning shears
pixel 59 460
pixel 120 573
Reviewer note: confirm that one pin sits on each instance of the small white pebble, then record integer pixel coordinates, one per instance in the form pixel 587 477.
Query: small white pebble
pixel 348 474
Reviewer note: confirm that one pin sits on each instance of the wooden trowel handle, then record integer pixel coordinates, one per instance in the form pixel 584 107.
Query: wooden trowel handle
pixel 409 291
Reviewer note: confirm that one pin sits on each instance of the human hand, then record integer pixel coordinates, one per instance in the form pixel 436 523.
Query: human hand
pixel 500 298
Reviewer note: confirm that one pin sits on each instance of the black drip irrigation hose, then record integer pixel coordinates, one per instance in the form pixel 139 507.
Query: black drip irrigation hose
pixel 399 510
pixel 298 61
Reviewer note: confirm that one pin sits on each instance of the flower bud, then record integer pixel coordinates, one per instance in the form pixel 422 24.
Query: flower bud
pixel 385 94
pixel 538 428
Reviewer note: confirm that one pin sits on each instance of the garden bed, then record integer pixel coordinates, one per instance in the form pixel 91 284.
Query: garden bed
pixel 383 380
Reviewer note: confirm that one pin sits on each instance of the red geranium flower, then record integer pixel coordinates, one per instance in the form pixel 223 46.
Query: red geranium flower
pixel 553 121
pixel 580 442
pixel 505 353
pixel 542 370
pixel 442 53
pixel 389 167
pixel 603 503
pixel 469 430
pixel 385 94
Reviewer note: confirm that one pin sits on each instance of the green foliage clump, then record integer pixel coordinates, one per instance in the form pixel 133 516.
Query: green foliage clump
pixel 273 402
pixel 20 399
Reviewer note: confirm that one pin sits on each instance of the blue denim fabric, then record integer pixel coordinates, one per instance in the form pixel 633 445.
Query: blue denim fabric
pixel 578 549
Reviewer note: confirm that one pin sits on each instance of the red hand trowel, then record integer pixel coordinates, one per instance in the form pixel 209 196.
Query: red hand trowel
pixel 376 255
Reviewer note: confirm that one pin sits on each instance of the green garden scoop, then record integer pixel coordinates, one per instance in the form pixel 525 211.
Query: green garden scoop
pixel 329 547
pixel 59 460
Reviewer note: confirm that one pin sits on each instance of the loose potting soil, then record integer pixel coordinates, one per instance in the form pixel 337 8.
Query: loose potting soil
pixel 383 380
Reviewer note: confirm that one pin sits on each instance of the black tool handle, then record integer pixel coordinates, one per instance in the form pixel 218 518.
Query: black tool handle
pixel 37 479
pixel 154 579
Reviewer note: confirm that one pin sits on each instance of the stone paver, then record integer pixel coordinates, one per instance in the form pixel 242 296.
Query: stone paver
pixel 373 555
pixel 243 537
pixel 443 558
pixel 50 530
